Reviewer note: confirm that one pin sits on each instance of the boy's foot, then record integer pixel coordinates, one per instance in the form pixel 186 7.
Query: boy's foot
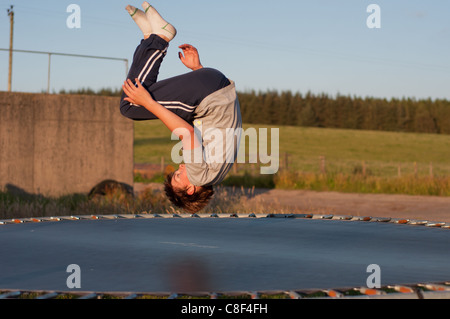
pixel 159 26
pixel 141 20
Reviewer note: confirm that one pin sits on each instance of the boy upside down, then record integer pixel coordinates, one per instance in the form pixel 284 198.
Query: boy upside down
pixel 190 105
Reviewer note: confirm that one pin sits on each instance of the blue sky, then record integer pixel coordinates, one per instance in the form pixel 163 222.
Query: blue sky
pixel 315 45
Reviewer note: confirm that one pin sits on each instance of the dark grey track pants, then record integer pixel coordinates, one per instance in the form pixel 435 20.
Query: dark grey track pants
pixel 180 94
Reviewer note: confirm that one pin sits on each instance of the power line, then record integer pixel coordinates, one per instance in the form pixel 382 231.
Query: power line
pixel 68 54
pixel 98 20
pixel 289 48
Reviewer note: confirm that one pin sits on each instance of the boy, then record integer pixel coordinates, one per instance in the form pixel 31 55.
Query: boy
pixel 190 105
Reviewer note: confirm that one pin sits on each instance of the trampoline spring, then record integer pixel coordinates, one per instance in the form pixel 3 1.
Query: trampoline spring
pixel 108 217
pixel 89 296
pixel 435 287
pixel 400 221
pixel 127 216
pixel 431 224
pixel 322 217
pixel 369 291
pixel 213 295
pixel 402 289
pixel 50 295
pixel 285 216
pixel 141 216
pixel 362 219
pixel 294 295
pixel 149 216
pixel 334 293
pixel 11 294
pixel 342 217
pixel 382 219
pixel 418 222
pixel 305 216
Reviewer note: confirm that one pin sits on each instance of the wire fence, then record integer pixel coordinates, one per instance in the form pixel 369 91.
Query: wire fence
pixel 50 54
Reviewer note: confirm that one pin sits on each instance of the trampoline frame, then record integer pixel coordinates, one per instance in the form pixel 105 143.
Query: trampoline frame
pixel 440 290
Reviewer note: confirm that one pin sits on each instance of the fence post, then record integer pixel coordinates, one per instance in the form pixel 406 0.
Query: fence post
pixel 399 171
pixel 431 170
pixel 286 161
pixel 48 74
pixel 415 169
pixel 364 168
pixel 162 164
pixel 11 32
pixel 322 164
pixel 126 68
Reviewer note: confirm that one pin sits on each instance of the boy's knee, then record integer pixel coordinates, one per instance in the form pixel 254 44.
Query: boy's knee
pixel 124 107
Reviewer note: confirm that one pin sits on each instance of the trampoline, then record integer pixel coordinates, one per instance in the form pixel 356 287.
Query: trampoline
pixel 217 254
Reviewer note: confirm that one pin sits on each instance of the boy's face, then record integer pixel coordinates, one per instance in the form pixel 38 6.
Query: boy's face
pixel 180 179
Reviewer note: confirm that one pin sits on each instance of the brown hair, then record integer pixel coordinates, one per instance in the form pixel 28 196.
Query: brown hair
pixel 191 203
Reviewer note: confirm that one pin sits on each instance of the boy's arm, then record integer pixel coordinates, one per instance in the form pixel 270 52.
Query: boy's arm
pixel 140 96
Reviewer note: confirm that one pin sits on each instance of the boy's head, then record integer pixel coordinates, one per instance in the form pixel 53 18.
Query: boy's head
pixel 185 195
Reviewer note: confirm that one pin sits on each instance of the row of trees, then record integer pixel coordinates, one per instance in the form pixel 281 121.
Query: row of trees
pixel 401 115
pixel 321 110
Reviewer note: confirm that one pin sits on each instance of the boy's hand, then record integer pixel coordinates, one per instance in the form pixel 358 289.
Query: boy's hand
pixel 136 95
pixel 191 58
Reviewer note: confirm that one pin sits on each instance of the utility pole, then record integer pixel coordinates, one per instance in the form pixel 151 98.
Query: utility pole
pixel 11 20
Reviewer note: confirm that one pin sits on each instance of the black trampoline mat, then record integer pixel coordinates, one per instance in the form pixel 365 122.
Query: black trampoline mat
pixel 219 254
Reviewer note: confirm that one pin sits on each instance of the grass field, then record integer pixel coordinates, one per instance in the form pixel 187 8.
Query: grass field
pixel 355 161
pixel 344 151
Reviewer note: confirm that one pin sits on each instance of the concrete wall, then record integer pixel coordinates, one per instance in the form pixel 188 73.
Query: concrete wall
pixel 63 144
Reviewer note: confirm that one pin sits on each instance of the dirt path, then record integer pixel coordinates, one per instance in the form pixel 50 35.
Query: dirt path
pixel 428 208
pixel 376 205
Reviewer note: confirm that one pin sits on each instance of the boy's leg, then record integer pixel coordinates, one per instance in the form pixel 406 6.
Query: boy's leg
pixel 149 54
pixel 147 60
pixel 180 94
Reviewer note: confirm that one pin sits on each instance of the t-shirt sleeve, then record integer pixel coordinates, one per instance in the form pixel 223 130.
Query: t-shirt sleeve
pixel 199 172
pixel 196 167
